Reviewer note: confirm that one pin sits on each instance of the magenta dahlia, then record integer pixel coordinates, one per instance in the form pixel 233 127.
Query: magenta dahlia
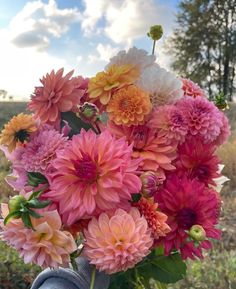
pixel 93 173
pixel 187 203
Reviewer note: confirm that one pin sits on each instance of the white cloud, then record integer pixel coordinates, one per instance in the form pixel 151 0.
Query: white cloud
pixel 103 53
pixel 125 20
pixel 38 22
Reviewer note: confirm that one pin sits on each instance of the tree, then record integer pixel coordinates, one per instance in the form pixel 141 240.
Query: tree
pixel 204 44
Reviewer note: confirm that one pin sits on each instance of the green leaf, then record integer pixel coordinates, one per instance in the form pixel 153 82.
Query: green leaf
pixel 26 220
pixel 136 197
pixel 35 179
pixel 168 269
pixel 12 215
pixel 74 122
pixel 37 194
pixel 34 214
pixel 36 204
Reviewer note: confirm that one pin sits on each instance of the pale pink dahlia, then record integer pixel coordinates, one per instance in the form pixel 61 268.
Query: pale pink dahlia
pixel 192 89
pixel 156 220
pixel 186 203
pixel 117 243
pixel 93 173
pixel 203 118
pixel 41 150
pixel 157 154
pixel 170 123
pixel 47 245
pixel 57 94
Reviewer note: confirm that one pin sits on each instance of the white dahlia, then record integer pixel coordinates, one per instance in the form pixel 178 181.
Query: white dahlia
pixel 164 87
pixel 134 56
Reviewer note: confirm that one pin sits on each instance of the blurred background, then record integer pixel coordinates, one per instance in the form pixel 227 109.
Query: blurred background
pixel 199 42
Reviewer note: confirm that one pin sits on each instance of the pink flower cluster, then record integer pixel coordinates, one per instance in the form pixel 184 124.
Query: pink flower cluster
pixel 126 189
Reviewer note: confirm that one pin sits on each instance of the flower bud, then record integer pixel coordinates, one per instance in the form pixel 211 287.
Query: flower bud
pixel 150 183
pixel 88 112
pixel 15 203
pixel 155 32
pixel 197 233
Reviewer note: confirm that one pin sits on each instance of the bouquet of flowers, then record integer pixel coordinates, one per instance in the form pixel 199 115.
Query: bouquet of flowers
pixel 120 168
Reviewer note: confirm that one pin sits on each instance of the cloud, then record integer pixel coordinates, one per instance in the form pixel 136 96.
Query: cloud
pixel 103 53
pixel 38 22
pixel 124 20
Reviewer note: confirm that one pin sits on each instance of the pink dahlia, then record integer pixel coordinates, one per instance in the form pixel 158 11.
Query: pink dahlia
pixel 47 245
pixel 198 160
pixel 191 88
pixel 57 94
pixel 156 220
pixel 41 150
pixel 156 153
pixel 170 123
pixel 203 117
pixel 93 173
pixel 186 203
pixel 224 131
pixel 119 242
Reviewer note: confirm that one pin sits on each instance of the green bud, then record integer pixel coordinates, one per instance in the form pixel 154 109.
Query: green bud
pixel 88 112
pixel 221 102
pixel 197 233
pixel 15 203
pixel 155 32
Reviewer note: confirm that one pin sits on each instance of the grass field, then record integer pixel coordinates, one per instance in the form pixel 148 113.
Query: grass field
pixel 217 271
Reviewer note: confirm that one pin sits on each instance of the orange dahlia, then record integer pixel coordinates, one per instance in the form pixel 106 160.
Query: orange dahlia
pixel 17 131
pixel 129 106
pixel 104 83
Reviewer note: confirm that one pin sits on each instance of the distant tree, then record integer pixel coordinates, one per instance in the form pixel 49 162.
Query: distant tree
pixel 3 93
pixel 204 44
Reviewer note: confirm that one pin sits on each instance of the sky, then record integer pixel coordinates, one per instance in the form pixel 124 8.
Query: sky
pixel 38 36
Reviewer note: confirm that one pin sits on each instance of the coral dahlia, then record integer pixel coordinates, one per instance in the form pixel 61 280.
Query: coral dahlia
pixel 47 245
pixel 17 131
pixel 57 94
pixel 191 88
pixel 129 106
pixel 117 243
pixel 186 203
pixel 93 173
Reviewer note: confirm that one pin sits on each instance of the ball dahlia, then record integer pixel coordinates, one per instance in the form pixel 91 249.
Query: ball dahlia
pixel 163 86
pixel 191 88
pixel 47 245
pixel 57 94
pixel 118 242
pixel 93 173
pixel 129 106
pixel 186 203
pixel 203 118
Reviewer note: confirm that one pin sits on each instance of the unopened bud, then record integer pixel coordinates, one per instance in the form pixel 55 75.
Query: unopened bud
pixel 155 32
pixel 15 203
pixel 150 183
pixel 88 112
pixel 197 233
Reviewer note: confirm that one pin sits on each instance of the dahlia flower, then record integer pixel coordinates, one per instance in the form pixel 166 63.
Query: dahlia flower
pixel 203 117
pixel 224 130
pixel 104 83
pixel 47 245
pixel 151 182
pixel 17 131
pixel 163 86
pixel 129 106
pixel 93 173
pixel 41 150
pixel 119 242
pixel 186 203
pixel 138 58
pixel 198 160
pixel 191 88
pixel 156 154
pixel 170 123
pixel 57 94
pixel 155 219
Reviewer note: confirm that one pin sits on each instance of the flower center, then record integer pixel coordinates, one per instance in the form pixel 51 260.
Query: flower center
pixel 125 104
pixel 22 135
pixel 201 172
pixel 186 218
pixel 86 169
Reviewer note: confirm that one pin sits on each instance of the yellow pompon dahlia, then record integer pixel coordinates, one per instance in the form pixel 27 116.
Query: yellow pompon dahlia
pixel 129 105
pixel 17 131
pixel 106 82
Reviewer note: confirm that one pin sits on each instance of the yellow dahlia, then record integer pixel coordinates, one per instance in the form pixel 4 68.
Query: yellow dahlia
pixel 17 131
pixel 104 83
pixel 129 106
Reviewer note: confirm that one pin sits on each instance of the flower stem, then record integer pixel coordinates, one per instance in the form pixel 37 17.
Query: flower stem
pixel 153 47
pixel 160 285
pixel 93 278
